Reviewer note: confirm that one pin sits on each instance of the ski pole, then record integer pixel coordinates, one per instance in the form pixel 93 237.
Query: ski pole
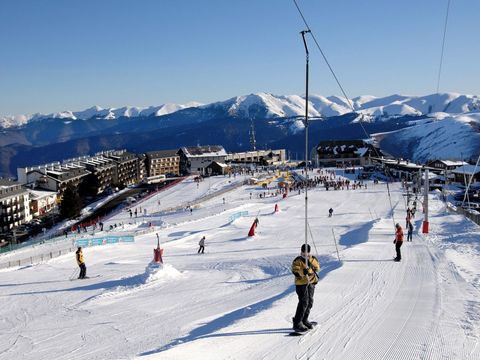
pixel 72 275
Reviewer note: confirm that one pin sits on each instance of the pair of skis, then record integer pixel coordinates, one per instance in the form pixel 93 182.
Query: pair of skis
pixel 86 277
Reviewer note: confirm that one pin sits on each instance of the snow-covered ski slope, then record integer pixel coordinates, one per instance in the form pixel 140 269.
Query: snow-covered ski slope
pixel 236 300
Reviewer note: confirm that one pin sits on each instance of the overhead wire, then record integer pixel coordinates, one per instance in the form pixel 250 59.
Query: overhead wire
pixel 443 46
pixel 346 97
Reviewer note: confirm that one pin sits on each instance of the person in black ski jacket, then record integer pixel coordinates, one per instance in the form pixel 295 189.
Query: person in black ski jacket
pixel 81 263
pixel 201 245
pixel 305 280
pixel 409 231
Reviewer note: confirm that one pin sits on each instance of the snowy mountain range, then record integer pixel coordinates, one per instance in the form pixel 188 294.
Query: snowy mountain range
pixel 96 112
pixel 273 106
pixel 414 127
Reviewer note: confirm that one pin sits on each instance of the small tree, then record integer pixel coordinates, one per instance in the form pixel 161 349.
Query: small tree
pixel 71 203
pixel 89 186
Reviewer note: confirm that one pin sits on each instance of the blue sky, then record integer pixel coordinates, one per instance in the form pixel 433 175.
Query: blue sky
pixel 58 55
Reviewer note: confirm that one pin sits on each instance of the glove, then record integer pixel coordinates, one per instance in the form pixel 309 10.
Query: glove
pixel 395 241
pixel 305 271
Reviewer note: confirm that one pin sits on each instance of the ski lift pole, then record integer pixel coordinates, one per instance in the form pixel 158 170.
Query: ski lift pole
pixel 335 242
pixel 306 140
pixel 425 203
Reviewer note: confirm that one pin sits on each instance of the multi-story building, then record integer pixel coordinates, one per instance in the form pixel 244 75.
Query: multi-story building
pixel 54 177
pixel 103 169
pixel 163 162
pixel 195 159
pixel 14 205
pixel 127 166
pixel 142 166
pixel 264 157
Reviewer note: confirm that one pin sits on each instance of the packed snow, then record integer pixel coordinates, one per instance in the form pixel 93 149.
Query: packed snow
pixel 236 301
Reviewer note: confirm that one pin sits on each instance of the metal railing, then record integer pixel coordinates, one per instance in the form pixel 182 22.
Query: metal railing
pixel 472 215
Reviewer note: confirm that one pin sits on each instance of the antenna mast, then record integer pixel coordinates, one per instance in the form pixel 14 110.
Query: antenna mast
pixel 253 141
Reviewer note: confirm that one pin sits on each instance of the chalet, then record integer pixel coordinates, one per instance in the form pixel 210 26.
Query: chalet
pixel 442 165
pixel 42 202
pixel 195 159
pixel 216 168
pixel 345 153
pixel 465 172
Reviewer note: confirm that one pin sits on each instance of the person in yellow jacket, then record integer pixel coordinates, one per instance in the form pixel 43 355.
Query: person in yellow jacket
pixel 81 263
pixel 305 280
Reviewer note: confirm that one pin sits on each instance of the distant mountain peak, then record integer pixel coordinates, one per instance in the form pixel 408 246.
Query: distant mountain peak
pixel 267 105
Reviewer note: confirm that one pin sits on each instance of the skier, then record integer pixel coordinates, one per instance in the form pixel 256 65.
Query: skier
pixel 330 212
pixel 202 245
pixel 305 280
pixel 81 263
pixel 409 231
pixel 398 241
pixel 408 218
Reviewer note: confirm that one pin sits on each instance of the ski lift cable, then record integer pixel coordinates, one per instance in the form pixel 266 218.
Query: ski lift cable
pixel 443 46
pixel 345 95
pixel 324 56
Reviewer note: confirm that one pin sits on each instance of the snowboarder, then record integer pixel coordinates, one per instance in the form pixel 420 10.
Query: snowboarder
pixel 409 231
pixel 305 280
pixel 398 241
pixel 81 263
pixel 330 212
pixel 201 243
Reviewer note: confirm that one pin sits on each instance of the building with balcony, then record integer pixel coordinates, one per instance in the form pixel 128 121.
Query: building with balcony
pixel 162 162
pixel 53 177
pixel 14 205
pixel 127 166
pixel 261 157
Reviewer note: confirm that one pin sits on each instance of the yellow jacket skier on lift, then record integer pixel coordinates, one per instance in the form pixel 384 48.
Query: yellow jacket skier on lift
pixel 305 280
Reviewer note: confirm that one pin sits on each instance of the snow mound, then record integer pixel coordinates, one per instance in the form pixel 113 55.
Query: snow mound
pixel 153 275
pixel 155 272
